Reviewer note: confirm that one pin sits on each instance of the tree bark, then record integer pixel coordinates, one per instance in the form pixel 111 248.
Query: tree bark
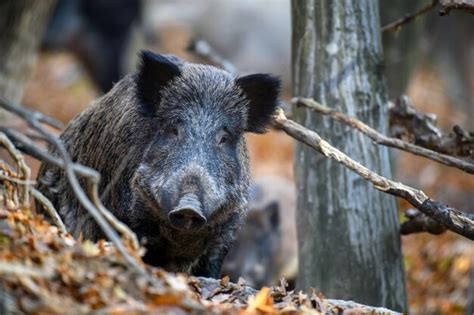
pixel 22 23
pixel 348 233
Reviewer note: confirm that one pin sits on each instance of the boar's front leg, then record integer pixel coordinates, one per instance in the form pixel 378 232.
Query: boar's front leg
pixel 210 265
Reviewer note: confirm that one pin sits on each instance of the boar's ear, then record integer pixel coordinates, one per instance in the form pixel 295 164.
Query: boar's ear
pixel 262 90
pixel 154 72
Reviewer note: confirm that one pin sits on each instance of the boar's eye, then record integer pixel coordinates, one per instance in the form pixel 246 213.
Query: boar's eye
pixel 223 137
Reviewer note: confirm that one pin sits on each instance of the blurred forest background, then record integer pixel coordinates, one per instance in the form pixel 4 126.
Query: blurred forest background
pixel 91 44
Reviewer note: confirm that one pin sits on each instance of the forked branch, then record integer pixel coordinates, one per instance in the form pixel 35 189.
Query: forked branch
pixel 453 219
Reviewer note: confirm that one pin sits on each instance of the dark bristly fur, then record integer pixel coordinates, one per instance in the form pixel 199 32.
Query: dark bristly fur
pixel 173 128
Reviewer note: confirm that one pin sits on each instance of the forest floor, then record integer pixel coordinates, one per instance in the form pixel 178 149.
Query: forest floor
pixel 437 267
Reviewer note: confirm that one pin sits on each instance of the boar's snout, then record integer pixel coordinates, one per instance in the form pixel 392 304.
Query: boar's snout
pixel 188 214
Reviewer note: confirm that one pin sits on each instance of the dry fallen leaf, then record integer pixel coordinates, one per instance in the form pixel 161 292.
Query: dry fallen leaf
pixel 262 302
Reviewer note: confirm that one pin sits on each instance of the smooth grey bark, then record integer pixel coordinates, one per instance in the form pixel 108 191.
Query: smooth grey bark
pixel 22 23
pixel 348 233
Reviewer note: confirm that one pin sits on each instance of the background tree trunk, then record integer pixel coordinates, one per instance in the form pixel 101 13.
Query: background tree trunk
pixel 348 233
pixel 22 23
pixel 401 49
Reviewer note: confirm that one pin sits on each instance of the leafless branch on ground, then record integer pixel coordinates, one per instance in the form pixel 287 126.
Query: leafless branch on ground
pixel 28 184
pixel 23 168
pixel 23 270
pixel 49 208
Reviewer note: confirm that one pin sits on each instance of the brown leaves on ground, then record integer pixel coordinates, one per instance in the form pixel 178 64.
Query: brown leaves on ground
pixel 438 272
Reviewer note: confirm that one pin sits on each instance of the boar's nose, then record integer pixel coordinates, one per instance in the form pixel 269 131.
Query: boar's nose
pixel 188 214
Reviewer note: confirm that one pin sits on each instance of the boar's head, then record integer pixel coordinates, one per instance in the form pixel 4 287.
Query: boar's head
pixel 194 172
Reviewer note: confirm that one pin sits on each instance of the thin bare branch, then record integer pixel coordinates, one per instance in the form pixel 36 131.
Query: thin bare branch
pixel 25 145
pixel 7 269
pixel 384 140
pixel 116 223
pixel 396 25
pixel 453 219
pixel 37 116
pixel 17 180
pixel 462 5
pixel 49 208
pixel 47 205
pixel 23 168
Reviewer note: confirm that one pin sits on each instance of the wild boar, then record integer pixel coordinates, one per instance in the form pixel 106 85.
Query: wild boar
pixel 169 143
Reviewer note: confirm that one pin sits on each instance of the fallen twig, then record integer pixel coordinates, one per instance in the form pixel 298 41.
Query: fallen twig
pixel 396 25
pixel 28 184
pixel 23 169
pixel 49 208
pixel 17 180
pixel 23 271
pixel 453 219
pixel 94 206
pixel 25 145
pixel 384 140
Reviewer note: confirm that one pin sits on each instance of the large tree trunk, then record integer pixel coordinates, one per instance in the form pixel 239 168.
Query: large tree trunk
pixel 349 243
pixel 22 23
